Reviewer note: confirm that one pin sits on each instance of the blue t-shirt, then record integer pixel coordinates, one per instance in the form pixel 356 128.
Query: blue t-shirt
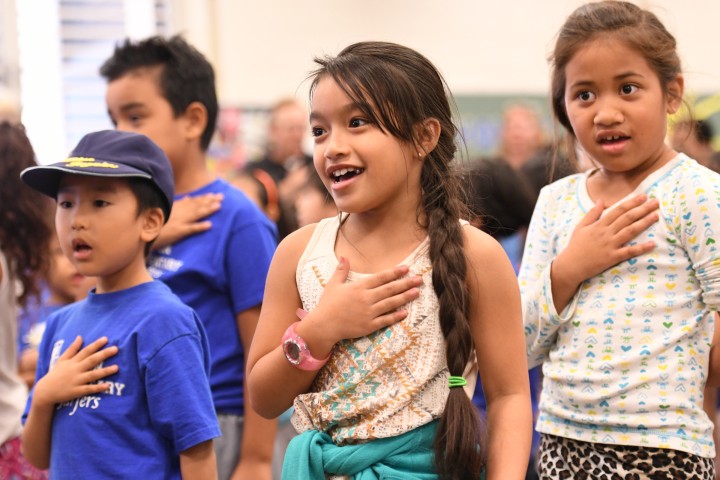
pixel 220 273
pixel 159 404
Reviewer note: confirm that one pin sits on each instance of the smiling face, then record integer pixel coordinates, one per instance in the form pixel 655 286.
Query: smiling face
pixel 101 232
pixel 618 108
pixel 364 168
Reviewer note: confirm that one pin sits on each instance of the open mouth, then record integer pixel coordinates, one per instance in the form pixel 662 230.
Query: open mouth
pixel 79 246
pixel 345 174
pixel 613 139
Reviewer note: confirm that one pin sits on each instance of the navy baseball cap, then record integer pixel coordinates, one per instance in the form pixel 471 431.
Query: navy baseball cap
pixel 109 153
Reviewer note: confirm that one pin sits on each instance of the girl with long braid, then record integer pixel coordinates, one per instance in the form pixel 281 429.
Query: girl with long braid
pixel 399 301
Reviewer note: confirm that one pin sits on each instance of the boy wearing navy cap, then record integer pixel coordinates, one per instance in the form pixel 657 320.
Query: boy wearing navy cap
pixel 122 382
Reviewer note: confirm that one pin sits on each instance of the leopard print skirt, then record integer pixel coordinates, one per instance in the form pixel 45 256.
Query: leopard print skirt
pixel 561 458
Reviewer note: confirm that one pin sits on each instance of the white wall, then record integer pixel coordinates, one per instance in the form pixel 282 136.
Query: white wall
pixel 263 49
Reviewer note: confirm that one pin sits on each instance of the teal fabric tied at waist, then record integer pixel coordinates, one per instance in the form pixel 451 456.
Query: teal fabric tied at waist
pixel 312 454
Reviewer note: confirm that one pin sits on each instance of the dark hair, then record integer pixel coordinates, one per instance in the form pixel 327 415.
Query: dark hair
pixel 703 132
pixel 397 89
pixel 186 75
pixel 547 166
pixel 639 29
pixel 499 196
pixel 25 215
pixel 148 197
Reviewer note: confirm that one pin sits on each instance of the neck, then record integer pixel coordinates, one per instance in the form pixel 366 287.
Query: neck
pixel 612 186
pixel 363 240
pixel 192 174
pixel 130 276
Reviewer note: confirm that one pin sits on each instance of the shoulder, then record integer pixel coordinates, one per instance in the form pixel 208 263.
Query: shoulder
pixel 687 183
pixel 564 186
pixel 689 173
pixel 489 267
pixel 480 248
pixel 165 310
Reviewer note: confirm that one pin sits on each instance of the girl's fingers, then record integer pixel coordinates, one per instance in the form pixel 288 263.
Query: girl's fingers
pixel 386 276
pixel 632 251
pixel 341 272
pixel 593 214
pixel 631 211
pixel 638 213
pixel 634 229
pixel 392 303
pixel 625 207
pixel 395 287
pixel 388 319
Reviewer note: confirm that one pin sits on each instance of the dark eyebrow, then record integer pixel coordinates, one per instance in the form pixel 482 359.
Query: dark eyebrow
pixel 345 109
pixel 618 77
pixel 130 106
pixel 626 75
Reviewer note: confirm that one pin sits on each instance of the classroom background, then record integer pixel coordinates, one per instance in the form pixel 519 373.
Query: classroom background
pixel 491 53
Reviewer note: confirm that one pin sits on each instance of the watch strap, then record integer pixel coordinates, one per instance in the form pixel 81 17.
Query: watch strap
pixel 305 360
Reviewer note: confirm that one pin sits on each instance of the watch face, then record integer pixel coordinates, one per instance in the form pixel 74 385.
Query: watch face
pixel 292 352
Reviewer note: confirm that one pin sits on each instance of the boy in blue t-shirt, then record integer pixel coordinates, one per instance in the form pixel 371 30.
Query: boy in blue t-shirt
pixel 165 89
pixel 149 413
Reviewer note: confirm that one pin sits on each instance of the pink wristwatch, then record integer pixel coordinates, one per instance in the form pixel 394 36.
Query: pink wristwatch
pixel 297 352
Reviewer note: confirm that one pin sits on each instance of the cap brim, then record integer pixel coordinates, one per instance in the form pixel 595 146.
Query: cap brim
pixel 46 178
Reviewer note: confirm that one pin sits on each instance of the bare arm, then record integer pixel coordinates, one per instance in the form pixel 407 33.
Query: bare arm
pixel 188 218
pixel 258 437
pixel 198 462
pixel 71 377
pixel 598 243
pixel 497 328
pixel 346 310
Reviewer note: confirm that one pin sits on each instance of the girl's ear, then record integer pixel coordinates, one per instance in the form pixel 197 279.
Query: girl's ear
pixel 675 90
pixel 153 221
pixel 427 134
pixel 196 118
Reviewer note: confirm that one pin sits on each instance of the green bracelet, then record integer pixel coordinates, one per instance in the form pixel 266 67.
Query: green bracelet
pixel 456 382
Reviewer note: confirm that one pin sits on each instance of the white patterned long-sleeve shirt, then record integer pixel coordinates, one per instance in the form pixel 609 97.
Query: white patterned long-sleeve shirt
pixel 627 360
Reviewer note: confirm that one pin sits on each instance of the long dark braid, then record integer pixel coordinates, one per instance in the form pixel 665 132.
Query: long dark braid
pixel 398 89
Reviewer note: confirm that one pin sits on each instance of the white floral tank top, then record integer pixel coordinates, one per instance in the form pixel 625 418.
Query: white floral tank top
pixel 387 383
